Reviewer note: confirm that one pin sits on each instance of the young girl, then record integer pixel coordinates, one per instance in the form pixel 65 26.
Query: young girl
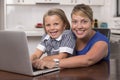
pixel 57 42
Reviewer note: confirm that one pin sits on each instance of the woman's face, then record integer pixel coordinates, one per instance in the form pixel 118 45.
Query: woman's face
pixel 81 25
pixel 54 26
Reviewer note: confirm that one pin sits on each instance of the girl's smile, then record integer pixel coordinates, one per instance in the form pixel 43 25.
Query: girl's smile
pixel 54 26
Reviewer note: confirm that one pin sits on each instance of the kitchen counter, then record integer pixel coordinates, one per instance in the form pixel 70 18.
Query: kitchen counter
pixel 100 71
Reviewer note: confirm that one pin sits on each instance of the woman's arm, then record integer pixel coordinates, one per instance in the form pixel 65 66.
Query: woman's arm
pixel 96 53
pixel 48 61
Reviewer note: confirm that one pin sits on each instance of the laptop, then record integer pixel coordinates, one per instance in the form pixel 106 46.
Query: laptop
pixel 15 56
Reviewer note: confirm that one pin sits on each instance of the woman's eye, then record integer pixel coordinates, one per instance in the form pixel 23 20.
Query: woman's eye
pixel 84 21
pixel 74 22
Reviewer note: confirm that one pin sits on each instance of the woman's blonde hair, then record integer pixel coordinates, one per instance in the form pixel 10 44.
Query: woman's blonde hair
pixel 58 12
pixel 83 9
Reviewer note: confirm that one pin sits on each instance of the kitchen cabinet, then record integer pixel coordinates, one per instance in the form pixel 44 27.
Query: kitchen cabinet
pixel 96 2
pixel 67 2
pixel 2 16
pixel 19 2
pixel 26 17
pixel 13 4
pixel 38 32
pixel 47 1
pixel 73 2
pixel 115 28
pixel 83 2
pixel 88 2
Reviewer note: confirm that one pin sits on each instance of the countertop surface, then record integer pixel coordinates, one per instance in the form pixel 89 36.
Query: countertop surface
pixel 100 71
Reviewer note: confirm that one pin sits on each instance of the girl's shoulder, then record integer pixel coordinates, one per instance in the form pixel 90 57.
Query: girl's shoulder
pixel 67 32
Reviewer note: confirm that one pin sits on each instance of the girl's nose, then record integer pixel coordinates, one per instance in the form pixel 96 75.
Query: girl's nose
pixel 52 27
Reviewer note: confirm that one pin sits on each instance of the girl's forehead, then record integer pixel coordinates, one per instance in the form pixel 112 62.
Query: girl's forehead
pixel 53 16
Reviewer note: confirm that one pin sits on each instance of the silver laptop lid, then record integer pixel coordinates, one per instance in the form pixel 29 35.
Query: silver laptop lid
pixel 14 54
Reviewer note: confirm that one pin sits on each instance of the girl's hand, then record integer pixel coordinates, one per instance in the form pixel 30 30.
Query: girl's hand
pixel 37 63
pixel 43 64
pixel 47 64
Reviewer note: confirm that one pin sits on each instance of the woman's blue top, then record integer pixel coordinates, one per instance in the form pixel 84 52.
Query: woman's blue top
pixel 97 37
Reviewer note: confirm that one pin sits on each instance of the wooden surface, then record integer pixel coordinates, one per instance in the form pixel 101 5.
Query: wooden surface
pixel 99 71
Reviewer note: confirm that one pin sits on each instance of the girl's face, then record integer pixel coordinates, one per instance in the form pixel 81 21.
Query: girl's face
pixel 81 25
pixel 54 26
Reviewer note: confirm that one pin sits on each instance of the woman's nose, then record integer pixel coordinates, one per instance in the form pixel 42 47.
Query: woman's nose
pixel 79 25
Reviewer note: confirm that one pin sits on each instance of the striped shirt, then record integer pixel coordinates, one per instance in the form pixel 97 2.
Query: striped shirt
pixel 64 43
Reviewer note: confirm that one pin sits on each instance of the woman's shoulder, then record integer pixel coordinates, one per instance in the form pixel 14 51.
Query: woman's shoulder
pixel 100 36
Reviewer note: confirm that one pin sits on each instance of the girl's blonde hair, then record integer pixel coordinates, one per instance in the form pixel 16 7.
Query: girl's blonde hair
pixel 58 12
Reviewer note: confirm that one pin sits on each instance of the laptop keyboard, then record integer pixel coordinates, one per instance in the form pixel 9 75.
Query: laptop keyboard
pixel 35 69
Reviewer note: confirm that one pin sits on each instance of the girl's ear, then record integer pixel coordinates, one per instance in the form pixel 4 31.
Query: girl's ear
pixel 65 26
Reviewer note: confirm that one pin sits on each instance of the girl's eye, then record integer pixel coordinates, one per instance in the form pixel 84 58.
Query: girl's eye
pixel 47 25
pixel 56 24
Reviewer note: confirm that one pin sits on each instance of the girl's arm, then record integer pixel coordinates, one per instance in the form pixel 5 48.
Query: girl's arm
pixel 58 56
pixel 36 55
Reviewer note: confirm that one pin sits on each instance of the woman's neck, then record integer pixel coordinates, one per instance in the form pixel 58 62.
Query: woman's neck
pixel 81 43
pixel 87 38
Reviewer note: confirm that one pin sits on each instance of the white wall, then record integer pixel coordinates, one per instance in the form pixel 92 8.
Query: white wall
pixel 29 16
pixel 32 43
pixel 109 12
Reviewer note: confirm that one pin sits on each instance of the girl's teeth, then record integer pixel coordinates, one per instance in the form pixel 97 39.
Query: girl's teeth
pixel 53 33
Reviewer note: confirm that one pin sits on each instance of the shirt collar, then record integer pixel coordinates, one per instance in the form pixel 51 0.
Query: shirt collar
pixel 48 37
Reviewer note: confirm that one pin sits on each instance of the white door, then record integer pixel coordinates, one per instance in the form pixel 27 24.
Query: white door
pixel 47 1
pixel 97 2
pixel 87 2
pixel 20 1
pixel 67 2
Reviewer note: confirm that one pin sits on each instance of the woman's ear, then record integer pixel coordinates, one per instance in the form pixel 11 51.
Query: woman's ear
pixel 92 23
